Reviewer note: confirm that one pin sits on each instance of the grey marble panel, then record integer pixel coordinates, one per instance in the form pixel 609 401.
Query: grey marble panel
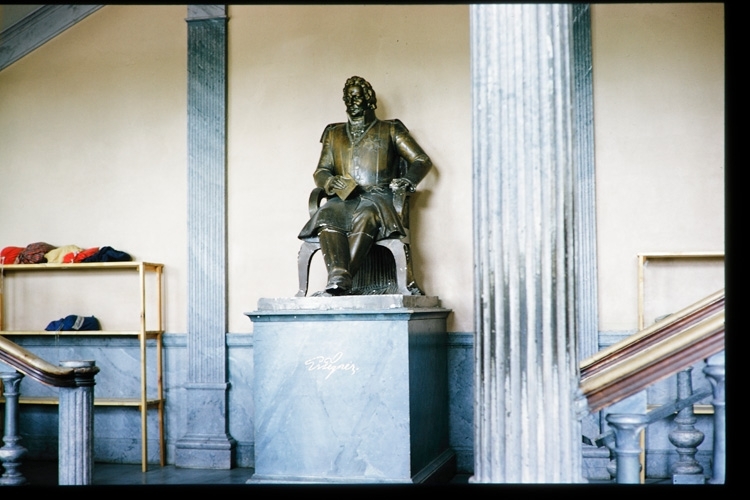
pixel 608 338
pixel 117 434
pixel 595 461
pixel 241 409
pixel 175 379
pixel 349 398
pixel 119 360
pixel 636 404
pixel 461 399
pixel 118 429
pixel 198 12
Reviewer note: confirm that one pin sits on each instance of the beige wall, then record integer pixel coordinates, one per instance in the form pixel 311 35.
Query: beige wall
pixel 95 134
pixel 93 153
pixel 658 74
pixel 287 68
pixel 93 140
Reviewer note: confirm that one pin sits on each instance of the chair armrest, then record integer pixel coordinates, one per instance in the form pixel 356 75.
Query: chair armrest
pixel 401 204
pixel 316 197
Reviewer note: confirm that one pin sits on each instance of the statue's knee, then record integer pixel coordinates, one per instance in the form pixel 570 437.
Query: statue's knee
pixel 365 221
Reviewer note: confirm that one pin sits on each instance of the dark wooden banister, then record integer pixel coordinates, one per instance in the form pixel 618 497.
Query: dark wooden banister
pixel 40 370
pixel 663 349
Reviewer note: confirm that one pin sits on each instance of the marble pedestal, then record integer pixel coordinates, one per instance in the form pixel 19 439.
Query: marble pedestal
pixel 351 390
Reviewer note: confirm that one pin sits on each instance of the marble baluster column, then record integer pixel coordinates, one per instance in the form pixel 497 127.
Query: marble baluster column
pixel 715 371
pixel 207 443
pixel 526 426
pixel 685 436
pixel 627 428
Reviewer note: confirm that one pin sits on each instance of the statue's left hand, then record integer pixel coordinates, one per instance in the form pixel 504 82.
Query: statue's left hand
pixel 401 184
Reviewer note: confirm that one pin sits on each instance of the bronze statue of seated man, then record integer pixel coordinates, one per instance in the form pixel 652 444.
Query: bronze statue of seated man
pixel 363 162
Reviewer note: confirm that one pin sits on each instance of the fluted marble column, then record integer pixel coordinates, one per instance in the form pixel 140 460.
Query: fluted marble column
pixel 207 443
pixel 584 185
pixel 526 426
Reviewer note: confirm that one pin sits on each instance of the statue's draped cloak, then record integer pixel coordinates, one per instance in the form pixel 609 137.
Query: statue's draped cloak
pixel 373 161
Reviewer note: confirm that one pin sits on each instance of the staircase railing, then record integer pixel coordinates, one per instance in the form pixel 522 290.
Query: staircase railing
pixel 75 380
pixel 670 346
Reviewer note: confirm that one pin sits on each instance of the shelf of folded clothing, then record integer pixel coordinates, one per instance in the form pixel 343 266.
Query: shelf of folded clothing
pixel 142 333
pixel 79 266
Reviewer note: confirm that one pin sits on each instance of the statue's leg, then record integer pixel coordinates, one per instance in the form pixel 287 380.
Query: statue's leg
pixel 364 229
pixel 335 248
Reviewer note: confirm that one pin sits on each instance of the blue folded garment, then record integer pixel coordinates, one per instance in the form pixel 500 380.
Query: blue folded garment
pixel 108 254
pixel 74 323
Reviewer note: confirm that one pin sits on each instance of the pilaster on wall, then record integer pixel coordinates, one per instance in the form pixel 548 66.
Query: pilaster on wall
pixel 526 377
pixel 584 185
pixel 207 443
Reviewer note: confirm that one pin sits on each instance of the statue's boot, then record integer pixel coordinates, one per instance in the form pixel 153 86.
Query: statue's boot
pixel 359 246
pixel 364 230
pixel 335 248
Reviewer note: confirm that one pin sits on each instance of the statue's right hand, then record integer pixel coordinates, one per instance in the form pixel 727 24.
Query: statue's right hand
pixel 336 182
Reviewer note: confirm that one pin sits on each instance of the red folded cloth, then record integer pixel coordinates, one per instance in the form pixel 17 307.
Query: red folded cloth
pixel 79 256
pixel 9 255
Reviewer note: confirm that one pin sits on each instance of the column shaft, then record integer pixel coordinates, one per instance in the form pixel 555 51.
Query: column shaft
pixel 207 443
pixel 526 429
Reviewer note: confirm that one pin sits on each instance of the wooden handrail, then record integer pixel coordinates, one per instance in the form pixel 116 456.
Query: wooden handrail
pixel 663 349
pixel 40 370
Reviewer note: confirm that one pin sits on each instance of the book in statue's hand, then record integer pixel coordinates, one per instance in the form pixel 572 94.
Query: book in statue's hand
pixel 351 184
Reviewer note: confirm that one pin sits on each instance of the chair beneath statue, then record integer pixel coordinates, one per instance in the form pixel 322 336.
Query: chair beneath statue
pixel 387 268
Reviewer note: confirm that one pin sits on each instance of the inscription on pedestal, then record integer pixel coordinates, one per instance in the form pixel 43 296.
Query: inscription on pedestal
pixel 330 364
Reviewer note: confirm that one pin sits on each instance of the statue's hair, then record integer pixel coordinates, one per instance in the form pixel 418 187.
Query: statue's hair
pixel 369 93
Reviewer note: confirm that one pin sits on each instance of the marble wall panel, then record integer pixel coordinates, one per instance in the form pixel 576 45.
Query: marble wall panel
pixel 118 430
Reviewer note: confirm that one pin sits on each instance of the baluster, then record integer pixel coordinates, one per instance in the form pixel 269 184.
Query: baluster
pixel 11 453
pixel 685 436
pixel 627 428
pixel 609 441
pixel 715 372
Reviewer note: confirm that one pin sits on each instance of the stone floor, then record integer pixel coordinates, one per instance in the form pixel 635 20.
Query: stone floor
pixel 45 474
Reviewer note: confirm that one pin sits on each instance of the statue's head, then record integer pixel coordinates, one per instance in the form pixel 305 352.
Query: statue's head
pixel 368 94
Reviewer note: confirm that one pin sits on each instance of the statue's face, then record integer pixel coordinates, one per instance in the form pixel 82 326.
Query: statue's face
pixel 355 101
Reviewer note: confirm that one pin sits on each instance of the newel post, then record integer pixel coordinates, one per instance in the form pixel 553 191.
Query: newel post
pixel 11 453
pixel 76 442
